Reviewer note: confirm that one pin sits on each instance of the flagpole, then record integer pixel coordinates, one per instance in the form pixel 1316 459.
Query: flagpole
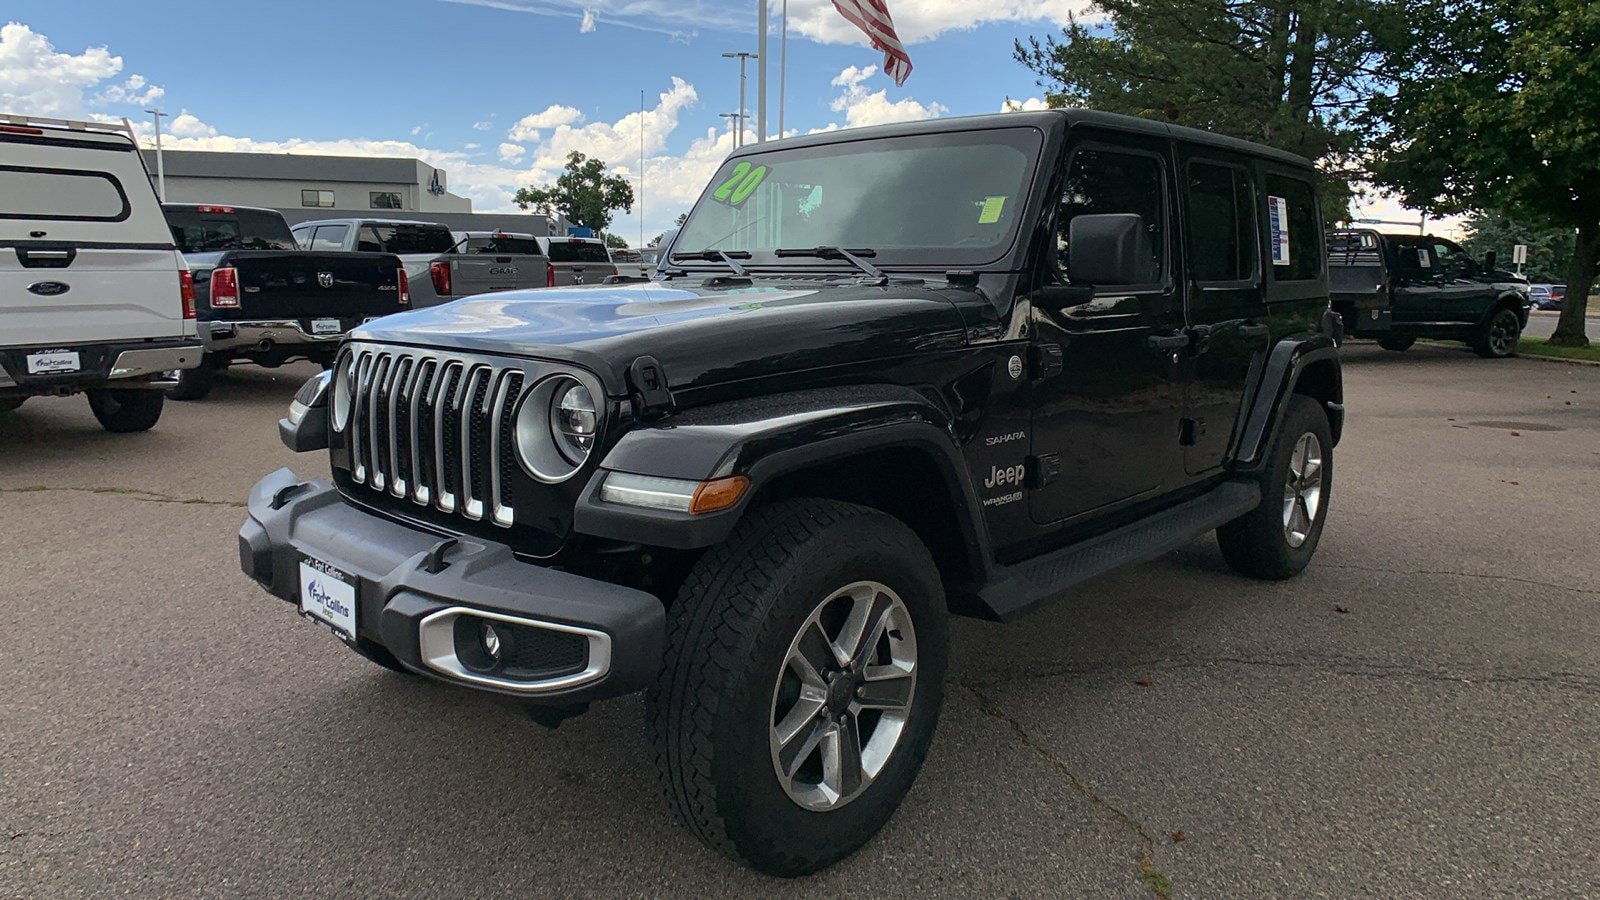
pixel 783 62
pixel 641 168
pixel 761 71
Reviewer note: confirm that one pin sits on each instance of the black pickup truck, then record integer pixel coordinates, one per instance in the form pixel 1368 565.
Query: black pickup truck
pixel 261 299
pixel 1396 288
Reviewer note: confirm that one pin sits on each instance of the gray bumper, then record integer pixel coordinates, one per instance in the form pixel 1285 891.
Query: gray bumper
pixel 143 364
pixel 410 594
pixel 250 335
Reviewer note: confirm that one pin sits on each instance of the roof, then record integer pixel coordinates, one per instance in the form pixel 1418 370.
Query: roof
pixel 288 166
pixel 1045 120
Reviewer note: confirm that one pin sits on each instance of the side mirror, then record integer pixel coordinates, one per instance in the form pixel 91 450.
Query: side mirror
pixel 1489 259
pixel 1110 249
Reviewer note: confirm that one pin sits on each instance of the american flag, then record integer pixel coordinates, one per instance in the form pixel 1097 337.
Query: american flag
pixel 872 17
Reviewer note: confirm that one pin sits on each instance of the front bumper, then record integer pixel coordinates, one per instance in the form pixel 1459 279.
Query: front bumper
pixel 147 362
pixel 265 334
pixel 407 602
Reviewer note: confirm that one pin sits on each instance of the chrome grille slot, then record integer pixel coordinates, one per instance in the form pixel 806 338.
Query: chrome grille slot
pixel 438 429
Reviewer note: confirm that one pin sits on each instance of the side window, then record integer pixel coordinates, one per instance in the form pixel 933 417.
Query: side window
pixel 1106 181
pixel 329 237
pixel 375 238
pixel 302 237
pixel 1413 261
pixel 1222 230
pixel 1294 230
pixel 1452 261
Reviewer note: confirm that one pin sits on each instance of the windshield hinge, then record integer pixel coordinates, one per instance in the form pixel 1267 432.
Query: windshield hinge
pixel 648 382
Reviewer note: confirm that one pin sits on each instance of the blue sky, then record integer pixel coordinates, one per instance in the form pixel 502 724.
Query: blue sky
pixel 496 91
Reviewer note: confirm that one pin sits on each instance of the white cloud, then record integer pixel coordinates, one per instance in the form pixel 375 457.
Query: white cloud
pixel 37 80
pixel 915 20
pixel 1028 105
pixel 528 127
pixel 479 126
pixel 862 107
pixel 417 129
pixel 511 152
pixel 587 24
pixel 187 126
pixel 1399 218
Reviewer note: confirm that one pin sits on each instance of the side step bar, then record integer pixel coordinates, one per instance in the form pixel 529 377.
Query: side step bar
pixel 1015 590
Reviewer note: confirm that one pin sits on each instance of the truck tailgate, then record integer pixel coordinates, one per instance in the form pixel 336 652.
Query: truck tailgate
pixel 303 284
pixel 75 295
pixel 479 273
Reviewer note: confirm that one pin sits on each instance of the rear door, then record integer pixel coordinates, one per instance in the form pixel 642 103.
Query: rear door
pixel 1465 293
pixel 1414 283
pixel 1225 308
pixel 85 254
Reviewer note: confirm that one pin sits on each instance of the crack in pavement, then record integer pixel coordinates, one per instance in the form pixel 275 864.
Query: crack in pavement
pixel 1347 667
pixel 1454 574
pixel 1157 883
pixel 131 493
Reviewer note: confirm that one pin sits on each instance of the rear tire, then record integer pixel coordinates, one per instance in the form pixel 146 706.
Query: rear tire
pixel 1397 344
pixel 1277 539
pixel 1498 337
pixel 751 738
pixel 126 410
pixel 11 404
pixel 195 383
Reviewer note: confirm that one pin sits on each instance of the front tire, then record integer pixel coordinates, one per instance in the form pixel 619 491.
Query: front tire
pixel 1277 539
pixel 1498 337
pixel 11 404
pixel 1396 343
pixel 802 682
pixel 126 410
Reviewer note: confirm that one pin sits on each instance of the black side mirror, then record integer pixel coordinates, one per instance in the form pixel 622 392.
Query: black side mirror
pixel 1110 249
pixel 1489 259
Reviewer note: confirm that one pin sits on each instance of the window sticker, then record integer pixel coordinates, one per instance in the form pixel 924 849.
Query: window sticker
pixel 1424 258
pixel 990 213
pixel 1278 222
pixel 740 185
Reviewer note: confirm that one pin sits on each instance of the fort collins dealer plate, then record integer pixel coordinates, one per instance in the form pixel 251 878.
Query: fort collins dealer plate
pixel 328 596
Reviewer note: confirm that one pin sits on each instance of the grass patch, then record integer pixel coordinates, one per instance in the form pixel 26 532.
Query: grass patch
pixel 1158 884
pixel 1530 346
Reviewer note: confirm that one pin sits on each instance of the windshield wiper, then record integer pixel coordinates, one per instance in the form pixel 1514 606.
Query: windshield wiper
pixel 722 256
pixel 851 256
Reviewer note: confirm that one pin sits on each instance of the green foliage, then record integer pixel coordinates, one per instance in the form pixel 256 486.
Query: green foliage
pixel 614 241
pixel 1549 249
pixel 583 193
pixel 1497 106
pixel 1292 75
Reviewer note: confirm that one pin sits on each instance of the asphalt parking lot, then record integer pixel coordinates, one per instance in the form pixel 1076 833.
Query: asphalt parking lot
pixel 1416 715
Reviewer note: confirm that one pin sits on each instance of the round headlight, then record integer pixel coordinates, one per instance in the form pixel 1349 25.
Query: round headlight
pixel 557 425
pixel 572 421
pixel 343 390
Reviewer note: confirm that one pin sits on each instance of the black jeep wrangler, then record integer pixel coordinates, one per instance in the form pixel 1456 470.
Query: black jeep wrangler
pixel 890 375
pixel 1395 288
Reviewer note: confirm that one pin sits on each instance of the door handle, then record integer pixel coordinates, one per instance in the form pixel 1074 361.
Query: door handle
pixel 1254 331
pixel 1163 342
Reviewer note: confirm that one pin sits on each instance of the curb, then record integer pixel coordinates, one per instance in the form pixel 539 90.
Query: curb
pixel 1557 359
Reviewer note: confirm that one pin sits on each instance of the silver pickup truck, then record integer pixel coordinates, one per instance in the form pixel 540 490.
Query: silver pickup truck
pixel 486 261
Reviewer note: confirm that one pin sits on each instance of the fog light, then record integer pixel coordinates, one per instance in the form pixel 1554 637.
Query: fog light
pixel 491 641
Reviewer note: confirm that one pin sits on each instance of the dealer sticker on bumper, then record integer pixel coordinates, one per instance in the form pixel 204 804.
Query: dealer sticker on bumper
pixel 325 326
pixel 50 362
pixel 328 595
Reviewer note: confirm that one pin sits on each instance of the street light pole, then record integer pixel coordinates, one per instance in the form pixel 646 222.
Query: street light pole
pixel 761 72
pixel 783 61
pixel 161 166
pixel 742 57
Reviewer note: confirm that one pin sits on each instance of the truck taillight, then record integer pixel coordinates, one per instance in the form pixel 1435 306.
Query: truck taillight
pixel 405 287
pixel 186 291
pixel 549 275
pixel 439 271
pixel 225 288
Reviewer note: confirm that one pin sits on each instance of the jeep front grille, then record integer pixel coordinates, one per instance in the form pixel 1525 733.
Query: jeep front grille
pixel 437 430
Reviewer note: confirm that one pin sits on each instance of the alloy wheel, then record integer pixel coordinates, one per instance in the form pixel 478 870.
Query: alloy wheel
pixel 1302 491
pixel 843 696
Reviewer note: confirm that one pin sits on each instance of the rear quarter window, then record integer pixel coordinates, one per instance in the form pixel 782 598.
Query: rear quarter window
pixel 1294 229
pixel 578 251
pixel 526 246
pixel 61 195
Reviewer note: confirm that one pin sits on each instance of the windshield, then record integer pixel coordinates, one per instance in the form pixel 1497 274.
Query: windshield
pixel 501 243
pixel 952 198
pixel 233 229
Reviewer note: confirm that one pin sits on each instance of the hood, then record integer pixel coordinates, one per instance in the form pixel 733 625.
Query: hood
pixel 702 333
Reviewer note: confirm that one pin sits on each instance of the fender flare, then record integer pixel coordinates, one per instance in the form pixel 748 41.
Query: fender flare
pixel 1280 372
pixel 768 437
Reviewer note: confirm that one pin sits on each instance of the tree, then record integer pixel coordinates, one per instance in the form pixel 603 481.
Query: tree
pixel 677 223
pixel 614 241
pixel 1549 249
pixel 1498 106
pixel 1293 75
pixel 583 193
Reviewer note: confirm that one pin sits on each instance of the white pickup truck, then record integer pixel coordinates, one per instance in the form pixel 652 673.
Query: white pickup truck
pixel 94 296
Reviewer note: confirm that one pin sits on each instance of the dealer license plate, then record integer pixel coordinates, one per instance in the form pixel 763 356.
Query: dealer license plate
pixel 325 326
pixel 328 595
pixel 50 362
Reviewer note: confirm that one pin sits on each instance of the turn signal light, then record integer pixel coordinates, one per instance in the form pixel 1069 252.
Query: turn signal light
pixel 225 288
pixel 186 291
pixel 439 272
pixel 405 286
pixel 718 494
pixel 549 275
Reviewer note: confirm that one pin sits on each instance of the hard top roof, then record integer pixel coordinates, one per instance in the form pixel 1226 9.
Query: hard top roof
pixel 1045 120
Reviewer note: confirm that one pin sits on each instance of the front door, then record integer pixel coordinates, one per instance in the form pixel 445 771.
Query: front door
pixel 1226 309
pixel 1106 424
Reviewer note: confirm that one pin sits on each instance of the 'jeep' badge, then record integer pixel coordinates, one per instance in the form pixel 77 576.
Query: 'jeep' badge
pixel 325 279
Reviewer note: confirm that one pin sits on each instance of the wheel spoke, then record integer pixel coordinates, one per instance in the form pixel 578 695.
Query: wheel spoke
pixel 841 757
pixel 1311 471
pixel 793 754
pixel 887 687
pixel 804 710
pixel 859 637
pixel 813 654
